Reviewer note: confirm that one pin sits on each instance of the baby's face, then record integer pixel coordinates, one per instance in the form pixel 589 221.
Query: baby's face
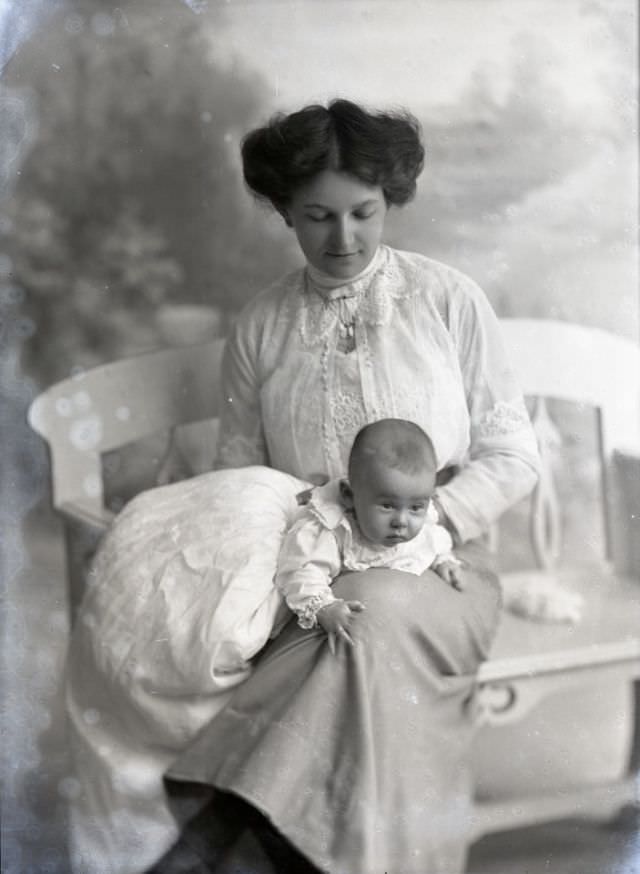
pixel 391 505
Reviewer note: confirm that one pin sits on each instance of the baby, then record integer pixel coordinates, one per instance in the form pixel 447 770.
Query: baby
pixel 383 516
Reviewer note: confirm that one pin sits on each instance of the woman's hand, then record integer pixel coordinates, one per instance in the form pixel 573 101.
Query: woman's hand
pixel 336 619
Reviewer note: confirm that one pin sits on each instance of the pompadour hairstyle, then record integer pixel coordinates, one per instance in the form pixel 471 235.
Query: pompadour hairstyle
pixel 378 148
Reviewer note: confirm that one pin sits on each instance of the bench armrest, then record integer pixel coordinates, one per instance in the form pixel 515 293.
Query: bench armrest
pixel 510 669
pixel 509 687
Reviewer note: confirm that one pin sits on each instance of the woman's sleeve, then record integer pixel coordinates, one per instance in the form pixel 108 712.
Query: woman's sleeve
pixel 309 562
pixel 503 462
pixel 241 438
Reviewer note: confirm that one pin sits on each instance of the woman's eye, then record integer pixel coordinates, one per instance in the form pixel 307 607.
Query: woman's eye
pixel 364 215
pixel 318 217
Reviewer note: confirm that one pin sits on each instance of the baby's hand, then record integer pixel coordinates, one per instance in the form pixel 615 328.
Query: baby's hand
pixel 450 570
pixel 336 618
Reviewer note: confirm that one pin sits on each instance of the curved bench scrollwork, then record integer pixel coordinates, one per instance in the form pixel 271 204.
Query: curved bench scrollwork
pixel 499 703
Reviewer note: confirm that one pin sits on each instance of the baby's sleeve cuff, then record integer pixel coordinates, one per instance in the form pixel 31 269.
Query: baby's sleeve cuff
pixel 307 614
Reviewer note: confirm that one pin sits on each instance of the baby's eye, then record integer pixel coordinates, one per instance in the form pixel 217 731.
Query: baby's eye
pixel 418 508
pixel 387 506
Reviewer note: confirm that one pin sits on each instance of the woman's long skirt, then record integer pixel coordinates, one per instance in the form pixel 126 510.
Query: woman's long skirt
pixel 358 761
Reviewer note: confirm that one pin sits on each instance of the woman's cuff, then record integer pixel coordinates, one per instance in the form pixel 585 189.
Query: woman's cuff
pixel 445 558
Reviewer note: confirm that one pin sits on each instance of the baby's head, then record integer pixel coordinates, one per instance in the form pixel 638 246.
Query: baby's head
pixel 392 474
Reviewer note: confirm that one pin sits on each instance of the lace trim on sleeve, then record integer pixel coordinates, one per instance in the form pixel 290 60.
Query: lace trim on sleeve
pixel 505 417
pixel 307 617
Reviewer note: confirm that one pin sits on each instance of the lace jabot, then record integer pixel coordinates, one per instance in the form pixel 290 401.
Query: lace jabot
pixel 368 297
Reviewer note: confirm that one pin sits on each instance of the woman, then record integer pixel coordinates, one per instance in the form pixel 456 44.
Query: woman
pixel 356 762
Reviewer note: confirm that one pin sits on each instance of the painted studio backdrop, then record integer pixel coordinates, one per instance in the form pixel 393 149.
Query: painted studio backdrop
pixel 126 196
pixel 125 225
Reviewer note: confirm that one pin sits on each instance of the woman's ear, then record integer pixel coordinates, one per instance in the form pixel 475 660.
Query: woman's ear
pixel 346 494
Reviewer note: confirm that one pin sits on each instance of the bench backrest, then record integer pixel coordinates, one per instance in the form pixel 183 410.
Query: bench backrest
pixel 118 403
pixel 592 368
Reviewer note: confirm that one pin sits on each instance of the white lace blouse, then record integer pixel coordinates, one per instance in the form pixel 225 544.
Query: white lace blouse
pixel 325 539
pixel 426 347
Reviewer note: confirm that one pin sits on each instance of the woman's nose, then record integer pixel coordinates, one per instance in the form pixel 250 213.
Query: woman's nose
pixel 343 235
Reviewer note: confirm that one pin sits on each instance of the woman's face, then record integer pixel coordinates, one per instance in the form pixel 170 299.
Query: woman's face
pixel 338 221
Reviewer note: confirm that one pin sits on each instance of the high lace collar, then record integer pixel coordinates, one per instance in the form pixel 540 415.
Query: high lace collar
pixel 370 296
pixel 331 288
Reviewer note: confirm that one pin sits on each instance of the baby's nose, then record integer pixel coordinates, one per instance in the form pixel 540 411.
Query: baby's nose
pixel 399 520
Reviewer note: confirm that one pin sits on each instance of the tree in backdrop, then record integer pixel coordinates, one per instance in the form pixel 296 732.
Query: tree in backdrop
pixel 130 195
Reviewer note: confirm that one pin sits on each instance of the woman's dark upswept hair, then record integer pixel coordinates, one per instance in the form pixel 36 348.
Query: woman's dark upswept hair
pixel 380 149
